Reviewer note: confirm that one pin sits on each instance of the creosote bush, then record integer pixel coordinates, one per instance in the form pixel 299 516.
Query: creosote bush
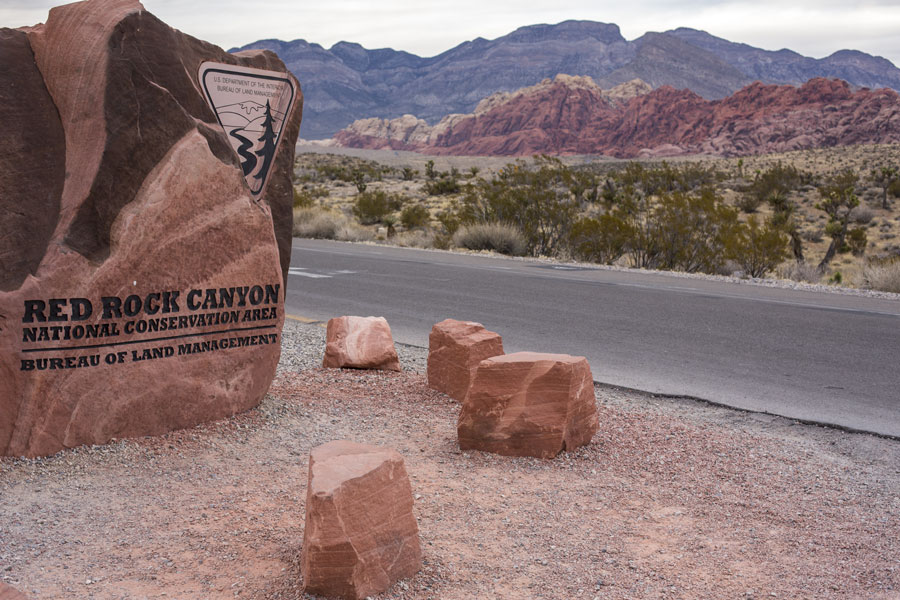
pixel 372 206
pixel 307 196
pixel 444 185
pixel 415 215
pixel 667 218
pixel 603 239
pixel 535 199
pixel 324 167
pixel 758 248
pixel 499 237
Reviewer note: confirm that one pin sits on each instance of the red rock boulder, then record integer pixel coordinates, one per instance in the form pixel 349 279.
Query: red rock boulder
pixel 529 404
pixel 360 343
pixel 361 535
pixel 142 284
pixel 7 592
pixel 454 350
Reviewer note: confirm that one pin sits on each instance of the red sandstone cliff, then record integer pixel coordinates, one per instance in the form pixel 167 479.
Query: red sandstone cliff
pixel 572 115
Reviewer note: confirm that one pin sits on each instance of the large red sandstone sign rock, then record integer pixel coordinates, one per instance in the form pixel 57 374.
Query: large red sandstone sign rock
pixel 454 350
pixel 360 343
pixel 361 535
pixel 529 404
pixel 141 287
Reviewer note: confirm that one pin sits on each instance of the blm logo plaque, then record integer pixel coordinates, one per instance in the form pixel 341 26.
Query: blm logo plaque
pixel 251 106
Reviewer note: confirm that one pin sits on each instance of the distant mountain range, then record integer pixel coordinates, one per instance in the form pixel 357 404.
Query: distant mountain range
pixel 348 82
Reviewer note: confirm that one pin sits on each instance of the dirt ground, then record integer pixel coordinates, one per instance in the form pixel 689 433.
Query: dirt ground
pixel 672 499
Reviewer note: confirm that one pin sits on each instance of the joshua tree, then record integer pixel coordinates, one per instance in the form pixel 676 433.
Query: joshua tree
pixel 838 201
pixel 885 177
pixel 783 217
pixel 359 179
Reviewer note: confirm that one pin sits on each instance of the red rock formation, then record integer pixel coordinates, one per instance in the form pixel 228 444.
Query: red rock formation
pixel 529 404
pixel 562 106
pixel 563 117
pixel 454 350
pixel 128 192
pixel 360 535
pixel 360 343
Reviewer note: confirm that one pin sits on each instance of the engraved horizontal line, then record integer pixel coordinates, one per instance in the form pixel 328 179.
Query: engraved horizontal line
pixel 149 340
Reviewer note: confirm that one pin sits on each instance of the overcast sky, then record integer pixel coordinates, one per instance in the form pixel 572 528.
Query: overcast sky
pixel 812 27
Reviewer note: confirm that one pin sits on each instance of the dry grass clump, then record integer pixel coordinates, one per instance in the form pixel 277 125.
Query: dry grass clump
pixel 799 271
pixel 351 232
pixel 882 276
pixel 416 238
pixel 499 237
pixel 318 223
pixel 863 214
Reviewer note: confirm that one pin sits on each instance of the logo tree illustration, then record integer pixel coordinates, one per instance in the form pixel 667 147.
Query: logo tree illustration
pixel 267 152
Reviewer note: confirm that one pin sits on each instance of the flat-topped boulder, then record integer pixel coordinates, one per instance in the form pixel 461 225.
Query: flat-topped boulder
pixel 360 535
pixel 529 404
pixel 360 343
pixel 454 350
pixel 142 278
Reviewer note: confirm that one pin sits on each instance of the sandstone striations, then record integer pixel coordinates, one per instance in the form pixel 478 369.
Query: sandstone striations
pixel 529 404
pixel 360 535
pixel 455 348
pixel 360 343
pixel 141 288
pixel 573 115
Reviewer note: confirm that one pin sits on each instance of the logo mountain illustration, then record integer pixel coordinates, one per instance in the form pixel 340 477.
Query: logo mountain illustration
pixel 253 126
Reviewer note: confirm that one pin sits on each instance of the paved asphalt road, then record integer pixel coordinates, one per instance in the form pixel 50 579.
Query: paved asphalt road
pixel 814 356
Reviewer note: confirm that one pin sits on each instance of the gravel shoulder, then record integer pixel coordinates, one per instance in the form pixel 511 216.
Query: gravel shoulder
pixel 672 499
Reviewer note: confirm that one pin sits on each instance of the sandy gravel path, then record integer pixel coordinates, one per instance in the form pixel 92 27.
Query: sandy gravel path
pixel 673 499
